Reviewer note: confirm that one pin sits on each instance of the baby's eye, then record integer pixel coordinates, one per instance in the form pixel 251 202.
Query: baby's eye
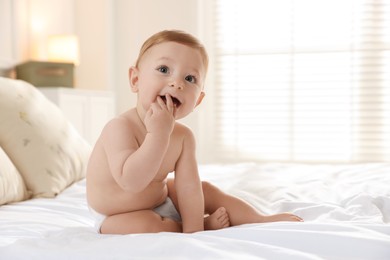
pixel 191 79
pixel 163 69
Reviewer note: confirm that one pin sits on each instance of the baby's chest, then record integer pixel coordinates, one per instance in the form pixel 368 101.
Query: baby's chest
pixel 171 157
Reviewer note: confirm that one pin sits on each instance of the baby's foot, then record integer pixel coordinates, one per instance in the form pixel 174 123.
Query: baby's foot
pixel 219 219
pixel 283 217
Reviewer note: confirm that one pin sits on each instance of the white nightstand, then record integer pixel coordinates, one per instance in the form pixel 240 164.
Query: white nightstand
pixel 87 110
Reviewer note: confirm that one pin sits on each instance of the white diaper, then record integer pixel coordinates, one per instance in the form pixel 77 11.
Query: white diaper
pixel 168 210
pixel 99 218
pixel 165 210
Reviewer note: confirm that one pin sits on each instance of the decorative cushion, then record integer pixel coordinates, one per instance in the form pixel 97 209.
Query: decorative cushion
pixel 45 148
pixel 12 188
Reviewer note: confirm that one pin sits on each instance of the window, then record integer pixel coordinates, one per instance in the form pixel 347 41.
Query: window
pixel 302 80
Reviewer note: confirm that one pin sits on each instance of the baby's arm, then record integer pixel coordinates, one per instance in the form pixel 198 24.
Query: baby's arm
pixel 135 165
pixel 188 187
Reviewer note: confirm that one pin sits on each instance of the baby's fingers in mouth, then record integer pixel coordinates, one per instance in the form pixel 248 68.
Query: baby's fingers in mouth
pixel 176 102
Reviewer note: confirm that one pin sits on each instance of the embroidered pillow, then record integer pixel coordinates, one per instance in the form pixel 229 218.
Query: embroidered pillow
pixel 45 148
pixel 12 188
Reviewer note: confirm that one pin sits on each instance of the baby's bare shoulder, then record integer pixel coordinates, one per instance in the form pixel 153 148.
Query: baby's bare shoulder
pixel 181 128
pixel 184 132
pixel 120 132
pixel 121 123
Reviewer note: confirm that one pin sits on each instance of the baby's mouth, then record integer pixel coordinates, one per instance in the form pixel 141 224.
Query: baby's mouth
pixel 175 101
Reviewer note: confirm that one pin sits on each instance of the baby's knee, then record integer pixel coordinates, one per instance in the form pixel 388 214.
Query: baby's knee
pixel 208 187
pixel 205 185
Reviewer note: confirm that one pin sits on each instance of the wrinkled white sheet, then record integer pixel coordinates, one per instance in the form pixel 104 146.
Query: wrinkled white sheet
pixel 346 210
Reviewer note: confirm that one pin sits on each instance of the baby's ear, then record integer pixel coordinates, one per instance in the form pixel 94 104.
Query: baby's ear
pixel 133 78
pixel 200 98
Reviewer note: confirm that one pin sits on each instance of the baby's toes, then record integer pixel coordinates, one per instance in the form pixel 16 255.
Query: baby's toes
pixel 224 220
pixel 221 211
pixel 296 218
pixel 223 217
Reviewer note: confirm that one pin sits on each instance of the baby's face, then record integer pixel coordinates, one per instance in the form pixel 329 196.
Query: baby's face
pixel 174 69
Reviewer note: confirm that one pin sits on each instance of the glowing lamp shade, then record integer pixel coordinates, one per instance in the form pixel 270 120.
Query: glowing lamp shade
pixel 63 48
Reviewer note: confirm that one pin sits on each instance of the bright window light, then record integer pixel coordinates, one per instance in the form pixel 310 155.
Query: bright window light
pixel 302 80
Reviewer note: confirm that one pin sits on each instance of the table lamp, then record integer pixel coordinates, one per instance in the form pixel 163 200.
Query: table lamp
pixel 63 55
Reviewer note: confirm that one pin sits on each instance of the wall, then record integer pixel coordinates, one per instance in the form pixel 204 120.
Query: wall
pixel 35 20
pixel 47 18
pixel 31 22
pixel 6 43
pixel 94 27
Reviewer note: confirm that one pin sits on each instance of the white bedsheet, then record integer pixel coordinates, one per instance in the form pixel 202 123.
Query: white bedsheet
pixel 346 210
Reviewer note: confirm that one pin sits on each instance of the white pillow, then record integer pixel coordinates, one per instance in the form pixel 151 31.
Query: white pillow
pixel 45 148
pixel 12 188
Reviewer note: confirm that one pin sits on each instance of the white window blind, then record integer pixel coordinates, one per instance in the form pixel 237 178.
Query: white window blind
pixel 302 80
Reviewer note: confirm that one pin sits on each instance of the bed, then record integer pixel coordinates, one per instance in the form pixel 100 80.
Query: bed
pixel 44 214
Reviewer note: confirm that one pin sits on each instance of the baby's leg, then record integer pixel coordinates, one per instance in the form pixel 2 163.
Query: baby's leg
pixel 216 219
pixel 282 217
pixel 142 221
pixel 239 211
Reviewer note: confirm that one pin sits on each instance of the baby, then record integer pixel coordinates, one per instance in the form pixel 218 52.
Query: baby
pixel 127 186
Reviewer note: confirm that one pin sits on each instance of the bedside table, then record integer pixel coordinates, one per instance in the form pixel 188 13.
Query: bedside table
pixel 87 110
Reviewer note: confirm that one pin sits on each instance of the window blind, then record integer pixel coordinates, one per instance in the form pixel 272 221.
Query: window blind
pixel 302 80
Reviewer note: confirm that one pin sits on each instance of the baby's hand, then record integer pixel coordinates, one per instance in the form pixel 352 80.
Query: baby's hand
pixel 160 118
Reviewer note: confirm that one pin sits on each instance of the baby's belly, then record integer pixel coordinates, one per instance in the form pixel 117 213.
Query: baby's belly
pixel 116 201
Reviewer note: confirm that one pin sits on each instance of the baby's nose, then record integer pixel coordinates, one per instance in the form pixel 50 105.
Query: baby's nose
pixel 176 84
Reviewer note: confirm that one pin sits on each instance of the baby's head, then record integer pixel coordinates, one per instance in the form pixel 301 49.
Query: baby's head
pixel 174 36
pixel 170 63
